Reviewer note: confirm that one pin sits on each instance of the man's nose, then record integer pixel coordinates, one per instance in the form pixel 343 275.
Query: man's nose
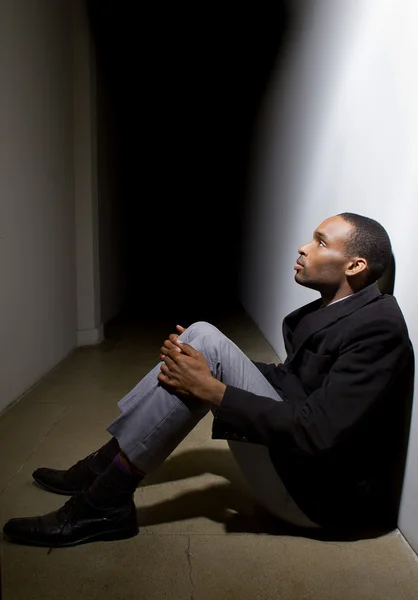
pixel 303 250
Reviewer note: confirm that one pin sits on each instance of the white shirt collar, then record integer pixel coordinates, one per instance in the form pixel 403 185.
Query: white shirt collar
pixel 340 300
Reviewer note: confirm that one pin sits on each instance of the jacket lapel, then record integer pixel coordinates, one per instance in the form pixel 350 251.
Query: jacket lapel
pixel 292 320
pixel 310 319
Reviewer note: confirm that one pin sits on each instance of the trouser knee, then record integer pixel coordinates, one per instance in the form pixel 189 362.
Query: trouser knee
pixel 201 329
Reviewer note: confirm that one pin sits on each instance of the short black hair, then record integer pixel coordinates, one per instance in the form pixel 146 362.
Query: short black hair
pixel 371 241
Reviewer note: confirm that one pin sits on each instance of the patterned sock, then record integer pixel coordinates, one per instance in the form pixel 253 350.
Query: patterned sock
pixel 114 487
pixel 104 456
pixel 123 463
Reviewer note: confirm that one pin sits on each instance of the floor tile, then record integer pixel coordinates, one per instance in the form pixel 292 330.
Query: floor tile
pixel 152 569
pixel 22 430
pixel 245 567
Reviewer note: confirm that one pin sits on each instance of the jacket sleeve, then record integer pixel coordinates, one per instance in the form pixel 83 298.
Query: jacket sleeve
pixel 370 358
pixel 266 369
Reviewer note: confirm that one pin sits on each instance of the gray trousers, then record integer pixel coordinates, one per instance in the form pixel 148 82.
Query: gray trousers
pixel 154 421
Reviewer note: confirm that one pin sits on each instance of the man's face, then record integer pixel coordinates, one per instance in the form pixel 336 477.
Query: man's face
pixel 323 261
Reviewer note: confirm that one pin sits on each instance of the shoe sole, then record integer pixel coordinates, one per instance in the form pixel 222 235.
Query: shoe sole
pixel 103 536
pixel 55 490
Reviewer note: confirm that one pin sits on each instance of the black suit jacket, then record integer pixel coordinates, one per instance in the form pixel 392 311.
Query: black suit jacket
pixel 337 437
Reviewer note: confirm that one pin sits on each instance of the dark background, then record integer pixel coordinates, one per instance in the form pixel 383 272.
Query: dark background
pixel 183 88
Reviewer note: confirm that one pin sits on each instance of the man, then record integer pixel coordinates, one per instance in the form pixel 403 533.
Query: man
pixel 329 418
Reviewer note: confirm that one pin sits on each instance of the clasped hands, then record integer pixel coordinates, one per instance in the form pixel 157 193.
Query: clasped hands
pixel 186 371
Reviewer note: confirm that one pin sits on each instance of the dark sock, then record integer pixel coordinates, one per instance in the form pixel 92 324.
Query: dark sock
pixel 104 456
pixel 123 463
pixel 114 487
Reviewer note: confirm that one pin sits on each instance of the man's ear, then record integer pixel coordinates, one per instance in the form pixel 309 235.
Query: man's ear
pixel 356 266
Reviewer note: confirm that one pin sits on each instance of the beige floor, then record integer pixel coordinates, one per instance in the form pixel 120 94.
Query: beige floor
pixel 200 538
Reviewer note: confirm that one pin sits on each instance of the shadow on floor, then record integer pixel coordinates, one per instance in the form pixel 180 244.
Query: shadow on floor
pixel 228 503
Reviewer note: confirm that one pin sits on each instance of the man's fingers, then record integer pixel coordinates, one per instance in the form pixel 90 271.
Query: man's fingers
pixel 169 343
pixel 186 349
pixel 180 328
pixel 173 340
pixel 169 361
pixel 169 346
pixel 163 378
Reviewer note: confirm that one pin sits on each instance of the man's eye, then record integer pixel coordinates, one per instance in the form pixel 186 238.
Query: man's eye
pixel 321 243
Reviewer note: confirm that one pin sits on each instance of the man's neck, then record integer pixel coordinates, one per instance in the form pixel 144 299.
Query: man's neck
pixel 328 299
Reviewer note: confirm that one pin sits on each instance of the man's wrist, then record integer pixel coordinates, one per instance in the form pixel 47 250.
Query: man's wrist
pixel 213 392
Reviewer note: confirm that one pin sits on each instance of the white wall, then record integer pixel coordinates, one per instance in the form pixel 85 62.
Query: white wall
pixel 338 132
pixel 99 210
pixel 37 259
pixel 89 321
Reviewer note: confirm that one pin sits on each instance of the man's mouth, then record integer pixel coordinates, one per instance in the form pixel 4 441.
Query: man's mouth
pixel 298 266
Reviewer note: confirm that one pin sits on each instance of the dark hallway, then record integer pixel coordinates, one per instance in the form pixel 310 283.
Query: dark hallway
pixel 178 94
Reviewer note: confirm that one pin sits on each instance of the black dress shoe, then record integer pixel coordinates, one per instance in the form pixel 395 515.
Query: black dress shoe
pixel 73 481
pixel 75 523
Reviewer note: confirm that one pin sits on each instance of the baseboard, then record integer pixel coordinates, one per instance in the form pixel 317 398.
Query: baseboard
pixel 410 548
pixel 90 337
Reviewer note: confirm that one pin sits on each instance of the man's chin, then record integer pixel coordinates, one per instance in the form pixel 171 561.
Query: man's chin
pixel 303 281
pixel 299 279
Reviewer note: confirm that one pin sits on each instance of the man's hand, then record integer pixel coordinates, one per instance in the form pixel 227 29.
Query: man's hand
pixel 170 344
pixel 187 372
